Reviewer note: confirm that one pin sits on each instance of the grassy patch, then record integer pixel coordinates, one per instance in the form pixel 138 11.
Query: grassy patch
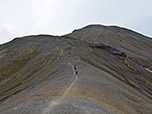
pixel 17 63
pixel 90 49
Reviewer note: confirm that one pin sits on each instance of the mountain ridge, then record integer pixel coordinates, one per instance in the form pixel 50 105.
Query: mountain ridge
pixel 37 73
pixel 113 27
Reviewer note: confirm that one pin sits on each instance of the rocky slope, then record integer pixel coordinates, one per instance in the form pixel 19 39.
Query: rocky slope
pixel 114 65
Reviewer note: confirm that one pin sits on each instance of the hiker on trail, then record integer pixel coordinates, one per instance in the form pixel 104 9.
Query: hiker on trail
pixel 75 69
pixel 76 72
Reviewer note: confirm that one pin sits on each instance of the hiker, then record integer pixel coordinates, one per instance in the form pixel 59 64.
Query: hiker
pixel 75 69
pixel 76 72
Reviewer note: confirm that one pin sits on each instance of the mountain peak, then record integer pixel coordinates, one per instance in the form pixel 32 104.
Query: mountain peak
pixel 86 71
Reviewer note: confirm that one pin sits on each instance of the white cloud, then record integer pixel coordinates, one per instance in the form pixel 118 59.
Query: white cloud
pixel 27 17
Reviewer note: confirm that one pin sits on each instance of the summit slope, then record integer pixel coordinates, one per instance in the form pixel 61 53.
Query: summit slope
pixel 137 46
pixel 37 74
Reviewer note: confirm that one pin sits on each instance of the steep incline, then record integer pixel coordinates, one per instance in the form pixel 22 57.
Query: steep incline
pixel 135 45
pixel 114 76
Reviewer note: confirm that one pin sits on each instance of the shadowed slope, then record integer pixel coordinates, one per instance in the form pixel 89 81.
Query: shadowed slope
pixel 135 45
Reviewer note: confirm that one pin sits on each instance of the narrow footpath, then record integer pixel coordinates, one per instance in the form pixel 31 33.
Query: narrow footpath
pixel 70 86
pixel 67 89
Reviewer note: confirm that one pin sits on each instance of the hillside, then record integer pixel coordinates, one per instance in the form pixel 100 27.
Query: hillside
pixel 113 65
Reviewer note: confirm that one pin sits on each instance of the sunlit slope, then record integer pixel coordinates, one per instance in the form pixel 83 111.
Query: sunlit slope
pixel 37 74
pixel 27 61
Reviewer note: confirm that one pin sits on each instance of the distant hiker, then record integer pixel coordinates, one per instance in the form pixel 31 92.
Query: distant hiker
pixel 75 70
pixel 75 67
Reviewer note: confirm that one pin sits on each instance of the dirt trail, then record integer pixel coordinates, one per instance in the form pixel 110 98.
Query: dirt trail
pixel 60 100
pixel 69 87
pixel 66 91
pixel 148 70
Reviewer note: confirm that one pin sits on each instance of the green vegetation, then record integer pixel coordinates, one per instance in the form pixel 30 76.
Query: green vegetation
pixel 17 63
pixel 11 86
pixel 19 82
pixel 49 61
pixel 90 49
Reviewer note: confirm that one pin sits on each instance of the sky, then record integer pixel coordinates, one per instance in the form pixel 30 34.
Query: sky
pixel 58 17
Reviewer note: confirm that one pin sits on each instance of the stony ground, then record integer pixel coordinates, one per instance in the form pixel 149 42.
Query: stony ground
pixel 37 74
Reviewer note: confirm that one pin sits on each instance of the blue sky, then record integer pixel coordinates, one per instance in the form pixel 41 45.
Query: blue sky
pixel 58 17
